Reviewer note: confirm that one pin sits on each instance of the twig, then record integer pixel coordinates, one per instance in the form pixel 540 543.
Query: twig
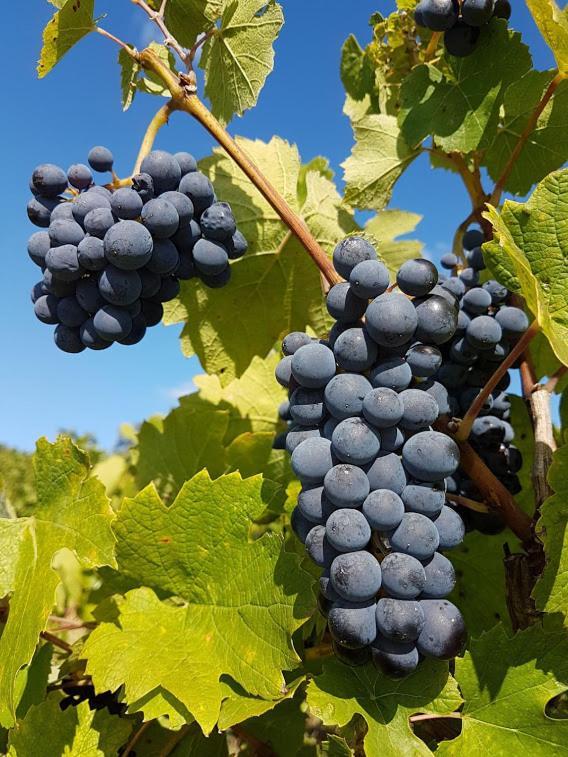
pixel 135 738
pixel 68 625
pixel 432 45
pixel 527 131
pixel 465 425
pixel 544 443
pixel 552 382
pixel 434 716
pixel 56 641
pixel 160 119
pixel 471 504
pixel 174 741
pixel 130 50
pixel 185 99
pixel 158 18
pixel 199 43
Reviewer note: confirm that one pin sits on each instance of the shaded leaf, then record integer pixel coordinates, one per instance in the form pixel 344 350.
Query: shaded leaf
pixel 186 19
pixel 129 71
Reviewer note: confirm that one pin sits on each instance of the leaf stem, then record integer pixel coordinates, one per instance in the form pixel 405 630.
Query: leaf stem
pixel 199 43
pixel 130 50
pixel 435 716
pixel 160 119
pixel 552 382
pixel 158 18
pixel 472 504
pixel 135 738
pixel 184 98
pixel 527 131
pixel 466 423
pixel 432 45
pixel 56 641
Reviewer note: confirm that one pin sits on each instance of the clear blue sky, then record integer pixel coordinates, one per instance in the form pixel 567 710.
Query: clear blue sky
pixel 77 106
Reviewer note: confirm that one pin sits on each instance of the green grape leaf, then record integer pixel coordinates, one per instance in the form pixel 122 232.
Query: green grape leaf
pixel 242 600
pixel 524 441
pixel 378 159
pixel 356 71
pixel 547 148
pixel 251 400
pixel 543 358
pixel 31 682
pixel 506 683
pixel 66 27
pixel 172 450
pixel 238 706
pixel 227 327
pixel 340 692
pixel 478 561
pixel 385 227
pixel 553 25
pixel 47 731
pixel 161 704
pixel 529 252
pixel 253 453
pixel 460 108
pixel 186 19
pixel 151 83
pixel 281 728
pixel 72 513
pixel 129 72
pixel 239 55
pixel 318 164
pixel 551 590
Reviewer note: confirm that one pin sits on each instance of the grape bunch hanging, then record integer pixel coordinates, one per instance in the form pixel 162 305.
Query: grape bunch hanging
pixel 460 20
pixel 488 326
pixel 372 511
pixel 111 256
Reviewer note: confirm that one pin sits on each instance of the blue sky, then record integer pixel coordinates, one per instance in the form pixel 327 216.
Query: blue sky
pixel 77 106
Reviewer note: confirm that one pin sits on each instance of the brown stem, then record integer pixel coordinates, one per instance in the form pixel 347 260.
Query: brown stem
pixel 552 382
pixel 160 119
pixel 432 45
pixel 472 504
pixel 199 43
pixel 527 131
pixel 317 653
pixel 174 741
pixel 434 716
pixel 135 738
pixel 56 641
pixel 468 419
pixel 130 50
pixel 158 18
pixel 544 443
pixel 493 491
pixel 185 99
pixel 68 625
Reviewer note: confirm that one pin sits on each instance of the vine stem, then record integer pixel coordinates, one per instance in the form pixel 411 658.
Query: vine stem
pixel 432 45
pixel 158 18
pixel 135 738
pixel 130 50
pixel 466 423
pixel 160 119
pixel 56 641
pixel 525 134
pixel 185 99
pixel 544 443
pixel 435 716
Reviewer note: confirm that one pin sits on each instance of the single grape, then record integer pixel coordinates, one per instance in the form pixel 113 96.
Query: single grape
pixel 489 431
pixel 126 203
pixel 440 394
pixel 313 365
pixel 137 332
pixel 182 204
pixel 63 232
pixel 440 577
pixel 300 525
pixel 476 301
pixel 160 217
pixel 513 322
pixel 62 211
pixel 63 262
pixel 449 260
pixel 430 456
pixel 98 222
pixel 439 15
pixel 417 277
pixel 347 530
pixel 90 337
pixel 383 509
pixel 164 170
pixel 91 254
pixel 354 441
pixel 39 210
pixel 454 285
pixel 437 319
pixel 395 658
pixel 153 312
pixel 237 245
pixel 49 180
pixel 169 289
pixel 218 222
pixel 143 184
pixel 387 472
pixel 86 202
pixel 392 373
pixel 119 287
pixel 100 159
pixel 391 319
pixel 399 619
pixel 352 625
pixel 420 409
pixel 59 287
pixel 424 498
pixel 416 536
pixel 68 340
pixel 38 245
pixel 473 238
pixel 351 251
pixel 325 587
pixel 345 393
pixel 79 176
pixel 475 258
pixel 444 633
pixel 346 485
pixel 312 459
pixel 450 526
pixel 294 341
pixel 38 290
pixel 470 277
pixel 319 548
pixel 354 350
pixel 484 332
pixel 461 40
pixel 128 245
pixel 45 309
pixel 97 188
pixel 70 312
pixel 112 323
pixel 314 505
pixel 369 279
pixel 355 576
pixel 199 190
pixel 164 257
pixel 477 12
pixel 383 407
pixel 424 360
pixel 391 439
pixel 210 257
pixel 187 162
pixel 403 575
pixel 343 305
pixel 297 434
pixel 307 407
pixel 283 371
pixel 463 353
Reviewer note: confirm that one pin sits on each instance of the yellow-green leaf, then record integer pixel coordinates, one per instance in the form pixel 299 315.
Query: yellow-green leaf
pixel 70 24
pixel 553 25
pixel 385 227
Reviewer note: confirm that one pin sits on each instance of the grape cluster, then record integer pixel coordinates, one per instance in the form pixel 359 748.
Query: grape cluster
pixel 372 511
pixel 110 256
pixel 487 328
pixel 460 20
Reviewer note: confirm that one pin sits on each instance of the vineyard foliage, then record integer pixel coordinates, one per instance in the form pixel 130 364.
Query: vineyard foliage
pixel 166 576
